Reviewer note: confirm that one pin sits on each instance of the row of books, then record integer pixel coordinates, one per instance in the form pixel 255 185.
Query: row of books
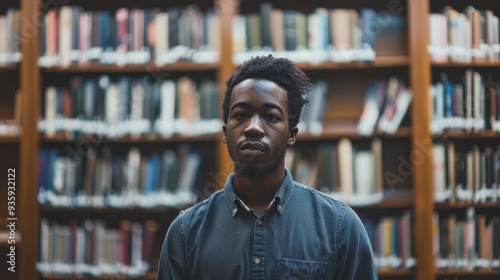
pixel 472 104
pixel 10 37
pixel 468 242
pixel 12 126
pixel 71 35
pixel 9 128
pixel 91 247
pixel 341 170
pixel 104 179
pixel 132 106
pixel 385 105
pixel 339 35
pixel 468 36
pixel 471 174
pixel 312 118
pixel 391 240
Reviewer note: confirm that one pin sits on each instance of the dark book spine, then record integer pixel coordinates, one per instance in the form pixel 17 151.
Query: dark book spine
pixel 265 24
pixel 75 27
pixel 290 26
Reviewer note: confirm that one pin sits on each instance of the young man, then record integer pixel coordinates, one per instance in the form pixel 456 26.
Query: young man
pixel 263 225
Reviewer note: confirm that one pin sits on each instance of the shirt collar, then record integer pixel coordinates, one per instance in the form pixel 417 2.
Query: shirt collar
pixel 280 199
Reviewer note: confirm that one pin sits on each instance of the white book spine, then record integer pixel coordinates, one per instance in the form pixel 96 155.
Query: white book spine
pixel 112 107
pixel 346 168
pixel 138 95
pixel 239 34
pixel 65 35
pixel 214 28
pixel 161 34
pixel 168 100
pixel 50 110
pixel 438 153
pixel 133 166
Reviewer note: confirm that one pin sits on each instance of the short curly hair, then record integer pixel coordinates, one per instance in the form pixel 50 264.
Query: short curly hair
pixel 281 71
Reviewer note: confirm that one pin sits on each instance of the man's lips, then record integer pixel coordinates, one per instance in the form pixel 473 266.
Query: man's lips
pixel 253 146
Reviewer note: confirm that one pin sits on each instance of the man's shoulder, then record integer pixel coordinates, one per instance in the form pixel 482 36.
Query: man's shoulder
pixel 318 195
pixel 324 201
pixel 201 208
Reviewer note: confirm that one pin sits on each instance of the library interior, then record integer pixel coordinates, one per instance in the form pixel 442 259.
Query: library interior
pixel 403 124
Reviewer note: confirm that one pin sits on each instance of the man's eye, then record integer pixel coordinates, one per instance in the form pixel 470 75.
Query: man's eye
pixel 272 118
pixel 239 115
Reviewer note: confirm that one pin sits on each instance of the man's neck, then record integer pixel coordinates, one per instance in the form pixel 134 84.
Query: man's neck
pixel 257 193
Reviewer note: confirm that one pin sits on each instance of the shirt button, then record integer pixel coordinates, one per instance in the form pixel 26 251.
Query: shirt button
pixel 256 261
pixel 234 211
pixel 279 207
pixel 259 222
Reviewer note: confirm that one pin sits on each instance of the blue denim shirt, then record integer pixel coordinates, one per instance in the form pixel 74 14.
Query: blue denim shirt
pixel 303 234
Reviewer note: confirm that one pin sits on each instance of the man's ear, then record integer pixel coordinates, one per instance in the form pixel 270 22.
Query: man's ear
pixel 224 130
pixel 292 136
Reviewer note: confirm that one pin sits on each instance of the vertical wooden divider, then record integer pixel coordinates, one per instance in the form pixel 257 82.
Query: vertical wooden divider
pixel 28 213
pixel 421 156
pixel 227 9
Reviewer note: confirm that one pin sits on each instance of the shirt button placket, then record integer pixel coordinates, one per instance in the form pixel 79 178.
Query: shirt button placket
pixel 259 246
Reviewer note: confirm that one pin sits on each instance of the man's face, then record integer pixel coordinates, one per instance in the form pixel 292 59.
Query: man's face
pixel 257 127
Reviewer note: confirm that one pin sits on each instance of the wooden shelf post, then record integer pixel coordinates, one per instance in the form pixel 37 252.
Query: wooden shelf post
pixel 421 156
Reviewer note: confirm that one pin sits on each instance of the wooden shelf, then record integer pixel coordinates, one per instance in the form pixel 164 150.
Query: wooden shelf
pixel 389 273
pixel 466 135
pixel 4 243
pixel 154 138
pixel 9 68
pixel 148 276
pixel 464 273
pixel 462 64
pixel 387 204
pixel 463 205
pixel 111 210
pixel 9 139
pixel 379 62
pixel 5 233
pixel 349 130
pixel 395 203
pixel 134 68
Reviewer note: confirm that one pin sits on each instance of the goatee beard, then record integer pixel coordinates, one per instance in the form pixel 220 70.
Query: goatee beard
pixel 254 172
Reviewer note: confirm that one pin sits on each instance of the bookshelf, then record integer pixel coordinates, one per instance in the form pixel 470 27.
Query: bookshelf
pixel 35 79
pixel 9 136
pixel 468 213
pixel 151 67
pixel 405 56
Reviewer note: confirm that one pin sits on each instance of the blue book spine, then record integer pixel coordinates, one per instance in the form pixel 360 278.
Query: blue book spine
pixel 51 164
pixel 153 174
pixel 369 27
pixel 104 20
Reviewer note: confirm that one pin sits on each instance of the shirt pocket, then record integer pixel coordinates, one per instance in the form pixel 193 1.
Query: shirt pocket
pixel 298 269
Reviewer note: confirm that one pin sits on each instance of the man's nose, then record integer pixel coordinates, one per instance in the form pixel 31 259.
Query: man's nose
pixel 254 128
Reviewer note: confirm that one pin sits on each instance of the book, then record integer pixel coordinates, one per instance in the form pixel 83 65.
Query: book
pixel 373 107
pixel 398 102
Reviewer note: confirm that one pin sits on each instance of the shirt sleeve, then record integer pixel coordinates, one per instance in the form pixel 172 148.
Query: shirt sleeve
pixel 172 263
pixel 355 255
